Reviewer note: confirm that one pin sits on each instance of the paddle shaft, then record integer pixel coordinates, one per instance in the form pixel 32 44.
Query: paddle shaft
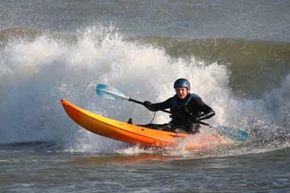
pixel 135 101
pixel 142 103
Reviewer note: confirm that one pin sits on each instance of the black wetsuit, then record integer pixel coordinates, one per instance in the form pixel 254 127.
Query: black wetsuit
pixel 185 112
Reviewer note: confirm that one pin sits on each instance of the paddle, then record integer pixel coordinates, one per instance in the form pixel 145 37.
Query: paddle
pixel 114 94
pixel 235 134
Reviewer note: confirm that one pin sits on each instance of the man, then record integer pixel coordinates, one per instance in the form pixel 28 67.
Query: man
pixel 186 109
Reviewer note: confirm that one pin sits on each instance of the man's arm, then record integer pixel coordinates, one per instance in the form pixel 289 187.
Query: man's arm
pixel 206 111
pixel 158 106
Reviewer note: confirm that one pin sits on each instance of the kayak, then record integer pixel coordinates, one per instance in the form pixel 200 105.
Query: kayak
pixel 134 134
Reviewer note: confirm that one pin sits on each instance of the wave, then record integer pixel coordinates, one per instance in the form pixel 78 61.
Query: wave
pixel 250 62
pixel 36 73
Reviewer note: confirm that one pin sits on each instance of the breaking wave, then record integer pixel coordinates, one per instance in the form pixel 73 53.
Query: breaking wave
pixel 38 69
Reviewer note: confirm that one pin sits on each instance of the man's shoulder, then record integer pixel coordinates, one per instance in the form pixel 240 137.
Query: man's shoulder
pixel 195 99
pixel 195 96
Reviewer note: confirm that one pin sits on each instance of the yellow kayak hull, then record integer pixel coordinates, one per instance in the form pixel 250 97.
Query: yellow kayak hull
pixel 130 133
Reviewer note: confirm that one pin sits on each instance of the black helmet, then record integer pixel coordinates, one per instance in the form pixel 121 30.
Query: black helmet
pixel 182 82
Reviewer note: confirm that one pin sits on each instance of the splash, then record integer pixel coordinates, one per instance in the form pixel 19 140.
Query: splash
pixel 36 73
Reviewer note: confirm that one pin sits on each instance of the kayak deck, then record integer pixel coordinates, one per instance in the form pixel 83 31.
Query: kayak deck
pixel 130 133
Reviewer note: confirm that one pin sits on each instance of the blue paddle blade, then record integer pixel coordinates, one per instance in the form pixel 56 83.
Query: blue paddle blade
pixel 235 134
pixel 109 92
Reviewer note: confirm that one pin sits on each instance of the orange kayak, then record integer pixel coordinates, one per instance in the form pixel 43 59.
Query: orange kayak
pixel 134 134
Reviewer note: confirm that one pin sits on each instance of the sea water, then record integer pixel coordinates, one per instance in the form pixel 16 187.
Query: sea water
pixel 235 54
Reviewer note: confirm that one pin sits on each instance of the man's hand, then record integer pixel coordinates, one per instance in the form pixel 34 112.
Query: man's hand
pixel 148 105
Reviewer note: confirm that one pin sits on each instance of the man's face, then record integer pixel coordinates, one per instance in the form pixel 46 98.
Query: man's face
pixel 181 92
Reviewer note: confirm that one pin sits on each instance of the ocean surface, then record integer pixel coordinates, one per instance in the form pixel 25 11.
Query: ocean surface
pixel 236 55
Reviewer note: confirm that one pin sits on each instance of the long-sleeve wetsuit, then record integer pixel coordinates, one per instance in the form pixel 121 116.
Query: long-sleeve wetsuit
pixel 185 112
